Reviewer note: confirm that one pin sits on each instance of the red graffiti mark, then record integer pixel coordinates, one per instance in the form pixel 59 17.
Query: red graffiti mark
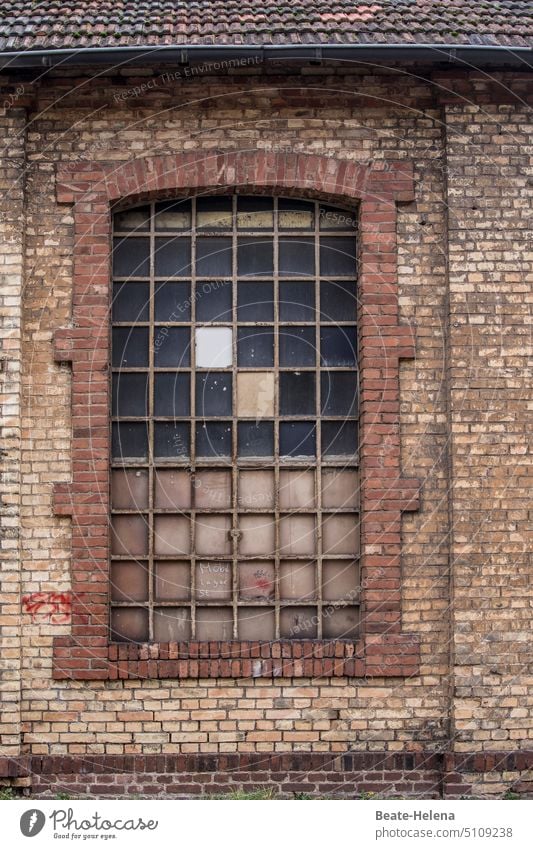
pixel 48 607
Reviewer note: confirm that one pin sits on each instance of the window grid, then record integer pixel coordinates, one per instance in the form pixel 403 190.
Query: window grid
pixel 234 463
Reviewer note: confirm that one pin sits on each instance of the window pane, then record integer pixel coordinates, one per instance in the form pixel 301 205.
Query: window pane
pixel 213 301
pixel 297 439
pixel 338 300
pixel 212 489
pixel 129 489
pixel 212 535
pixel 256 623
pixel 255 394
pixel 342 623
pixel 172 346
pixel 255 255
pixel 172 535
pixel 297 346
pixel 255 302
pixel 296 488
pixel 213 579
pixel 173 215
pixel 339 393
pixel 297 256
pixel 256 580
pixel 171 439
pixel 131 257
pixel 331 218
pixel 295 214
pixel 214 213
pixel 337 257
pixel 255 346
pixel 129 624
pixel 129 581
pixel 133 219
pixel 171 394
pixel 214 623
pixel 299 623
pixel 172 489
pixel 130 394
pixel 338 346
pixel 172 624
pixel 297 580
pixel 172 302
pixel 172 580
pixel 340 579
pixel 172 257
pixel 213 394
pixel 256 489
pixel 213 439
pixel 129 439
pixel 297 301
pixel 213 257
pixel 130 347
pixel 129 535
pixel 256 439
pixel 214 347
pixel 339 438
pixel 297 393
pixel 255 213
pixel 131 302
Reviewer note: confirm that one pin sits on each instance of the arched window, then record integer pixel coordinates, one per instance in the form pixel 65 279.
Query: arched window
pixel 234 480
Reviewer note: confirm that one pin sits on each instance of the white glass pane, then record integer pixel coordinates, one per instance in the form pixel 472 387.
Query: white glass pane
pixel 213 347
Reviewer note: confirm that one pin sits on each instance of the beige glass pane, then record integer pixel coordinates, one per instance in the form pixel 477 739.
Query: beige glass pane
pixel 340 534
pixel 172 489
pixel 298 623
pixel 129 535
pixel 213 347
pixel 296 489
pixel 212 534
pixel 213 581
pixel 256 490
pixel 172 535
pixel 340 488
pixel 214 623
pixel 129 489
pixel 173 218
pixel 129 580
pixel 258 534
pixel 172 624
pixel 297 535
pixel 255 394
pixel 341 623
pixel 256 623
pixel 295 219
pixel 340 580
pixel 214 218
pixel 257 220
pixel 172 580
pixel 297 580
pixel 256 580
pixel 129 623
pixel 132 219
pixel 212 489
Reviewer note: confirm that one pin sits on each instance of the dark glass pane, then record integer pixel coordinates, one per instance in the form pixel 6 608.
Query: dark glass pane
pixel 172 257
pixel 339 438
pixel 255 347
pixel 171 439
pixel 213 301
pixel 130 394
pixel 297 393
pixel 172 302
pixel 339 393
pixel 337 256
pixel 338 346
pixel 255 302
pixel 213 394
pixel 297 439
pixel 129 439
pixel 214 213
pixel 338 301
pixel 331 218
pixel 297 301
pixel 173 215
pixel 129 624
pixel 297 256
pixel 213 257
pixel 255 439
pixel 295 214
pixel 131 257
pixel 255 255
pixel 297 346
pixel 131 302
pixel 255 213
pixel 171 394
pixel 130 347
pixel 213 439
pixel 171 346
pixel 132 219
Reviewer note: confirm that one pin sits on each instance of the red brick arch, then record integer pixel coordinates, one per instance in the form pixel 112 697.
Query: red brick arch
pixel 375 188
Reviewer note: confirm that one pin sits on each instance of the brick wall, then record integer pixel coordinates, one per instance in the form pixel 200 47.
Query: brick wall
pixel 356 117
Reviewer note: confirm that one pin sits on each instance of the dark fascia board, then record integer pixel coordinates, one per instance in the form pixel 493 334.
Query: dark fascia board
pixel 180 55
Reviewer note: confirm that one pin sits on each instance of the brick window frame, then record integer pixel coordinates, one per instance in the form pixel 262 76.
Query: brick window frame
pixel 375 189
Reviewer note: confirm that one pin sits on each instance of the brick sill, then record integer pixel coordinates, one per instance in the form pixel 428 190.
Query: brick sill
pixel 391 655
